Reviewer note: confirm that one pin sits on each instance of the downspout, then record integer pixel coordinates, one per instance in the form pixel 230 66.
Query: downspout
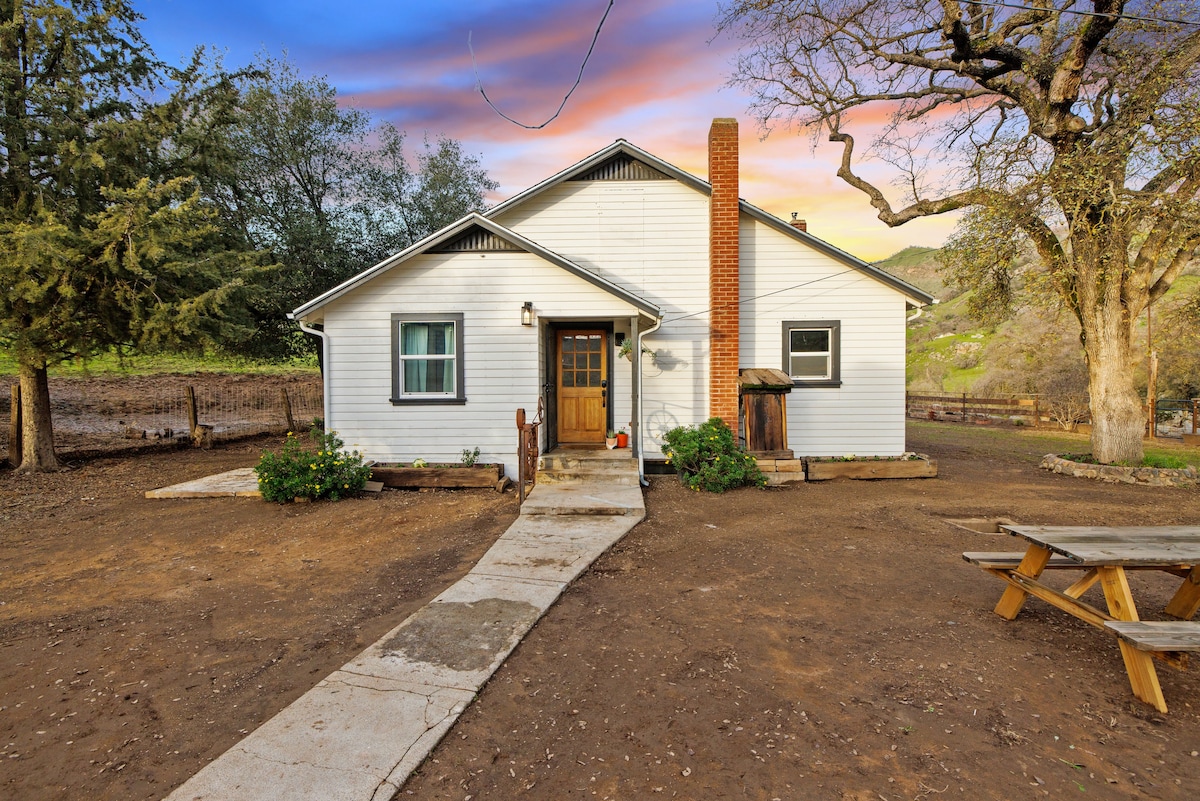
pixel 308 329
pixel 641 427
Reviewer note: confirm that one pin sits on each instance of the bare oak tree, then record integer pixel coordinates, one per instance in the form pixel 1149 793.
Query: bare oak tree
pixel 1067 125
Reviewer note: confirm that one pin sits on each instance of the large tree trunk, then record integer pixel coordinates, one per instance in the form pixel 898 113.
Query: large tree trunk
pixel 1117 418
pixel 37 430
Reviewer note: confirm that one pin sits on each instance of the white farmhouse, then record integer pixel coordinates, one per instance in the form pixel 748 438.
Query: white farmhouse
pixel 624 293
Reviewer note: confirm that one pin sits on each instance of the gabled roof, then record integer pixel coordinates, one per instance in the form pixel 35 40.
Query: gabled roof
pixel 449 235
pixel 917 297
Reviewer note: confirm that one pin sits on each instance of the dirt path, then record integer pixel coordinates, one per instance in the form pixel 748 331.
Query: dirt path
pixel 821 641
pixel 140 639
pixel 828 642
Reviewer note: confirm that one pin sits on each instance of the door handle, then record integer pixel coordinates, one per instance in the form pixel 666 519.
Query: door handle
pixel 603 398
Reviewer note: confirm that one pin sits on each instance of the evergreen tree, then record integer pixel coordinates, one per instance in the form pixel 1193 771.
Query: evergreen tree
pixel 104 238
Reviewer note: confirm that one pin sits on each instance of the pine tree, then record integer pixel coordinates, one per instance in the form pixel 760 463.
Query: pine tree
pixel 104 239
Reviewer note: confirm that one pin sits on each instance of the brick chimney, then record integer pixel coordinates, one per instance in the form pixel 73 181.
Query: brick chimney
pixel 797 223
pixel 723 271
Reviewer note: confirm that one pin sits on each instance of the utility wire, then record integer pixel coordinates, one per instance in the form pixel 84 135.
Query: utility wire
pixel 1080 13
pixel 740 301
pixel 578 78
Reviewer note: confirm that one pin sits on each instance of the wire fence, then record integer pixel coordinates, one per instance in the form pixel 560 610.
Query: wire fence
pixel 111 414
pixel 1173 417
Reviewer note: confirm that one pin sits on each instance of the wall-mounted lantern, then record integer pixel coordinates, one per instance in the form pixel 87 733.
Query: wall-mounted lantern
pixel 527 313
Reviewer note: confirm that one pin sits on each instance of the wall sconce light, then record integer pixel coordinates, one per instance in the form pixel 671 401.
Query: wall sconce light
pixel 527 313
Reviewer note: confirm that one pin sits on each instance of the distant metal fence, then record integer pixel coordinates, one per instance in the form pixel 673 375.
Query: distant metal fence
pixel 105 414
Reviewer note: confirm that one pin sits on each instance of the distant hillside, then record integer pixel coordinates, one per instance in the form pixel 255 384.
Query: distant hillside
pixel 949 351
pixel 919 266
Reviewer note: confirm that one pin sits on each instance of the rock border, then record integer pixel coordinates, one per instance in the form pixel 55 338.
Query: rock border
pixel 1116 474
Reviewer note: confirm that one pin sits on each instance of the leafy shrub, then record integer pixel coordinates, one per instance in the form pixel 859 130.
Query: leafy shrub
pixel 707 458
pixel 469 458
pixel 302 472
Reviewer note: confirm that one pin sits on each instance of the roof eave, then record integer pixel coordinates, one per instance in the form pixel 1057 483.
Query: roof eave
pixel 915 296
pixel 453 230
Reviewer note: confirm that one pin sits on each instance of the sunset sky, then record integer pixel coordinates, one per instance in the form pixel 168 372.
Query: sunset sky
pixel 657 78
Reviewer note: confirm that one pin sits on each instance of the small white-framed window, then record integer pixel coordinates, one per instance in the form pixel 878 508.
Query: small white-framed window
pixel 427 359
pixel 812 352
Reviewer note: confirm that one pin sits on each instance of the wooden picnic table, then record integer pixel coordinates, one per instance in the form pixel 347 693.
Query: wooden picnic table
pixel 1104 554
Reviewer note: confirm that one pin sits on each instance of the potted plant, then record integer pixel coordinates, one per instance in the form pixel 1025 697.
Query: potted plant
pixel 625 350
pixel 622 439
pixel 610 440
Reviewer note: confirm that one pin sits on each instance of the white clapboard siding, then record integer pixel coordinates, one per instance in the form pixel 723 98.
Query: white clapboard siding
pixel 651 238
pixel 502 358
pixel 783 280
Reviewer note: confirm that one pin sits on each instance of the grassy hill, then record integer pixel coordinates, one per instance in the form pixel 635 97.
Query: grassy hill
pixel 946 346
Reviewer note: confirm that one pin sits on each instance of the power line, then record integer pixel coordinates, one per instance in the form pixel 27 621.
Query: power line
pixel 1081 13
pixel 740 301
pixel 578 78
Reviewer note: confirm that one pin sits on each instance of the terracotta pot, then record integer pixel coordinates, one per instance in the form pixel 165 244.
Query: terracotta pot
pixel 622 440
pixel 611 442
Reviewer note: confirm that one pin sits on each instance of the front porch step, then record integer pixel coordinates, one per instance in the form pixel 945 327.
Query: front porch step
pixel 622 477
pixel 590 459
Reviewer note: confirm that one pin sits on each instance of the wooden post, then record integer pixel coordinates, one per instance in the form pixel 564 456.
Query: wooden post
pixel 16 442
pixel 193 419
pixel 1037 411
pixel 1195 412
pixel 287 408
pixel 1152 396
pixel 521 456
pixel 964 408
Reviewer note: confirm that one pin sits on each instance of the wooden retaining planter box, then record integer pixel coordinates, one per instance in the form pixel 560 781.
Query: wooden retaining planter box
pixel 923 467
pixel 477 476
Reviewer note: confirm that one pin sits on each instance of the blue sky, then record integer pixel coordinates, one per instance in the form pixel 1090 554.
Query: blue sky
pixel 657 78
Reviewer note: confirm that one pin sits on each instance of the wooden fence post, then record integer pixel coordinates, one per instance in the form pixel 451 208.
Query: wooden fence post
pixel 193 419
pixel 287 408
pixel 964 408
pixel 1195 412
pixel 15 438
pixel 1037 411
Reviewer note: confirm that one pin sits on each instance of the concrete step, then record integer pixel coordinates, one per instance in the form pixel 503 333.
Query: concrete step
pixel 597 459
pixel 584 499
pixel 626 478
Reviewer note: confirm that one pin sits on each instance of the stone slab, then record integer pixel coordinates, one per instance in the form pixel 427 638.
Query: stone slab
pixel 241 483
pixel 519 558
pixel 600 531
pixel 584 499
pixel 342 739
pixel 461 637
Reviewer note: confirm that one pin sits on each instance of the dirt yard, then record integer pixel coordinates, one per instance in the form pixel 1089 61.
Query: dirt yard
pixel 823 641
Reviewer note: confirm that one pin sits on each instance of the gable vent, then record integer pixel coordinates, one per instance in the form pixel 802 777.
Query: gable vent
pixel 623 168
pixel 476 240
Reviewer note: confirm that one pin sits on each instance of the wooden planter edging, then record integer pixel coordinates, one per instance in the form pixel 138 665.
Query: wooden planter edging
pixel 923 467
pixel 480 475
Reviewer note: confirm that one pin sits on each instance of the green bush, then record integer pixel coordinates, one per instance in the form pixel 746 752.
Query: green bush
pixel 297 471
pixel 707 458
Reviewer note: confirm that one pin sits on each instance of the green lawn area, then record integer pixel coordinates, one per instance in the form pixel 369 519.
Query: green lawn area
pixel 111 363
pixel 1030 444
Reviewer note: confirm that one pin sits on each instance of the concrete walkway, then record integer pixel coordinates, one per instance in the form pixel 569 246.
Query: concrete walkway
pixel 360 732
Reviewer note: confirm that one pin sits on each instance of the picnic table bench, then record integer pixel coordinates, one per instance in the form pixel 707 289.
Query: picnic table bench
pixel 1104 553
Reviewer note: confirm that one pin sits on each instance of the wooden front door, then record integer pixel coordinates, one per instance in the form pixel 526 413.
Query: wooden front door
pixel 582 385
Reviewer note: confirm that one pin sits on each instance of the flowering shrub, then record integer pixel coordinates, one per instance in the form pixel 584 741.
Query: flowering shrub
pixel 299 472
pixel 707 458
